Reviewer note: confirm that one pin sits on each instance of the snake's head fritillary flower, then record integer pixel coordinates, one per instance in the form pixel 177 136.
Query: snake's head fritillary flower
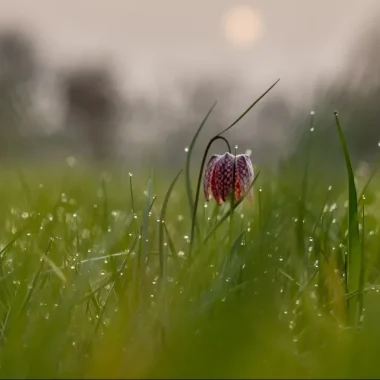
pixel 218 178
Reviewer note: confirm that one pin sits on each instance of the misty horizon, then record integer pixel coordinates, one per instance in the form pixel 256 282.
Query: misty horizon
pixel 154 46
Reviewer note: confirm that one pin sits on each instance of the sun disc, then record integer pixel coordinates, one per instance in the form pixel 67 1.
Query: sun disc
pixel 243 26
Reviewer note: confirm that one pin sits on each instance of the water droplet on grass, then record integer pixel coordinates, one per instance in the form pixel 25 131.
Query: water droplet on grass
pixel 71 161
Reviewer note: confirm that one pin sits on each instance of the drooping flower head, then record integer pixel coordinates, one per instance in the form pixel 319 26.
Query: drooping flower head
pixel 218 178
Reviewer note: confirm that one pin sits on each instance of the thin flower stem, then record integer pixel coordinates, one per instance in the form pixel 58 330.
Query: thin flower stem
pixel 232 197
pixel 193 220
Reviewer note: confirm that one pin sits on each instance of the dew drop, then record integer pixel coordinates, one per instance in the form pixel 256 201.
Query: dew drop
pixel 71 161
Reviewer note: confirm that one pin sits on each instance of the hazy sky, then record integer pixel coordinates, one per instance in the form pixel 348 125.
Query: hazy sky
pixel 154 42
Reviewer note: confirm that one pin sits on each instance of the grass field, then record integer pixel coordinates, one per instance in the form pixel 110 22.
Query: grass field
pixel 100 276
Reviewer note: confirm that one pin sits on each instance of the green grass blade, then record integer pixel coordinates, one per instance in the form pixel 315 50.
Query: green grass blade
pixel 145 225
pixel 300 233
pixel 362 272
pixel 133 205
pixel 35 279
pixel 162 254
pixel 189 191
pixel 105 205
pixel 248 109
pixel 354 267
pixel 170 241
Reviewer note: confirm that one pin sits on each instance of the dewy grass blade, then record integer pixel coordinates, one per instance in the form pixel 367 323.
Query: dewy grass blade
pixel 162 254
pixel 354 267
pixel 300 233
pixel 133 205
pixel 170 241
pixel 188 158
pixel 105 205
pixel 370 178
pixel 56 269
pixel 35 279
pixel 145 226
pixel 362 272
pixel 248 109
pixel 18 235
pixel 236 243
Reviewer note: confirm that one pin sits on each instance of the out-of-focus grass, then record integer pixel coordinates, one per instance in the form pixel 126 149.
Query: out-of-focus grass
pixel 96 279
pixel 81 292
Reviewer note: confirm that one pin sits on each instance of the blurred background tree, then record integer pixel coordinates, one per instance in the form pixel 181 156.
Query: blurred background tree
pixel 93 108
pixel 19 69
pixel 101 122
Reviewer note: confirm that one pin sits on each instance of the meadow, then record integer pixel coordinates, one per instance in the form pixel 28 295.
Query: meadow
pixel 106 273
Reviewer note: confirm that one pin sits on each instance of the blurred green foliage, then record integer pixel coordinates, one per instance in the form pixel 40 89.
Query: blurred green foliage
pixel 77 299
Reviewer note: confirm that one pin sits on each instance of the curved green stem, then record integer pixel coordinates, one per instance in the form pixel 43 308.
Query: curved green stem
pixel 193 219
pixel 232 196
